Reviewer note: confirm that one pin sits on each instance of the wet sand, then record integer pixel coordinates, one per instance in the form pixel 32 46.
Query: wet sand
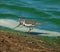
pixel 15 42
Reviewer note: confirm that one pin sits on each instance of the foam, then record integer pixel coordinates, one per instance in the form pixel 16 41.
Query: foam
pixel 12 23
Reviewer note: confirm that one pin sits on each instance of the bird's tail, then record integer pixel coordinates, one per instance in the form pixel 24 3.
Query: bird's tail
pixel 39 23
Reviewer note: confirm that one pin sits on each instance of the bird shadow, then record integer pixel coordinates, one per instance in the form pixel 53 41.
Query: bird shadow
pixel 35 33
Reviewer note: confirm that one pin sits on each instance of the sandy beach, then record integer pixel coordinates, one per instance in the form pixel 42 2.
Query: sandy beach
pixel 15 42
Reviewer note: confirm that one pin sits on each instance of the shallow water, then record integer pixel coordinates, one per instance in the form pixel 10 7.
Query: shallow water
pixel 47 11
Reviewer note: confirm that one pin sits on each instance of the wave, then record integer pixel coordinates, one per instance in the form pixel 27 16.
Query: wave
pixel 54 20
pixel 8 15
pixel 30 10
pixel 41 15
pixel 12 16
pixel 8 23
pixel 12 23
pixel 26 9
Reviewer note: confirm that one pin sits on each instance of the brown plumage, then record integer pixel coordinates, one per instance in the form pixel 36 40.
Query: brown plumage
pixel 29 21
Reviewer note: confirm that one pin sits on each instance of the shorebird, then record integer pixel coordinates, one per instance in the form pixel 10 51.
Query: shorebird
pixel 27 23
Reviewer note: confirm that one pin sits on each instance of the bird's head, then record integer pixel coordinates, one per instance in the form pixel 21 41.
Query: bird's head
pixel 21 20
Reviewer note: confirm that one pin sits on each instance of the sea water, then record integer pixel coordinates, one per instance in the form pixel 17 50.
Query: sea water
pixel 47 11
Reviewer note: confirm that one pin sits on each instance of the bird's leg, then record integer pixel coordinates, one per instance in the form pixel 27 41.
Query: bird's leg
pixel 30 28
pixel 17 25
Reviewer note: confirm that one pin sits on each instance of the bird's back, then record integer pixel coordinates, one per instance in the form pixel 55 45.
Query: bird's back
pixel 30 22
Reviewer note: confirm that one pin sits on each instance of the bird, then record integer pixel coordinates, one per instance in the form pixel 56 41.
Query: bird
pixel 27 23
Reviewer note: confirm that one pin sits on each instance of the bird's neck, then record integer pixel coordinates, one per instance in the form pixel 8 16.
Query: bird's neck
pixel 24 22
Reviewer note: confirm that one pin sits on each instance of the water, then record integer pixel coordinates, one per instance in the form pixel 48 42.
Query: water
pixel 47 11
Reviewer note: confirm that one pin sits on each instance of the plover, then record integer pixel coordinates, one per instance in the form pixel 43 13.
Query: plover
pixel 27 23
